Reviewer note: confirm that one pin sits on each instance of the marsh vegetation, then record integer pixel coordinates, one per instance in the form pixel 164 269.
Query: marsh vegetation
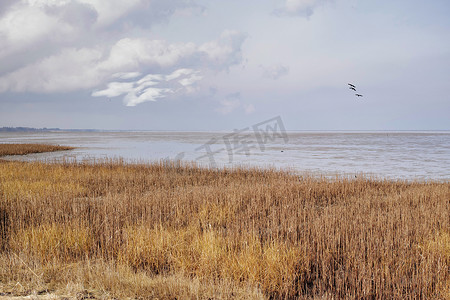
pixel 170 230
pixel 23 149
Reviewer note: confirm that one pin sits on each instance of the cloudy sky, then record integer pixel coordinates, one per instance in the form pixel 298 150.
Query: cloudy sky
pixel 219 65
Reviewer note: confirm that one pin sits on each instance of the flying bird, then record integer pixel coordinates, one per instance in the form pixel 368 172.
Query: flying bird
pixel 353 87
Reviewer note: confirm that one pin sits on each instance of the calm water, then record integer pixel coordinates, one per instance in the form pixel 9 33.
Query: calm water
pixel 405 155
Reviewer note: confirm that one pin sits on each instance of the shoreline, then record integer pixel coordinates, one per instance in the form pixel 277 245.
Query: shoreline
pixel 13 149
pixel 28 158
pixel 403 156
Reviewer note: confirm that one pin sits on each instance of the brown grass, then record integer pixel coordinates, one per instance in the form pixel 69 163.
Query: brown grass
pixel 23 149
pixel 111 229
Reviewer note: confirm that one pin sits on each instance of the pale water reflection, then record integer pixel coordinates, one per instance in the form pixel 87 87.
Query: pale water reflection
pixel 405 155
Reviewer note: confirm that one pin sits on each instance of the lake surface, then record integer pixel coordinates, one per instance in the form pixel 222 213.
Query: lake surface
pixel 403 155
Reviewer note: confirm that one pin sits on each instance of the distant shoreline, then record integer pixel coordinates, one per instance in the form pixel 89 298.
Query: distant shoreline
pixel 45 129
pixel 31 129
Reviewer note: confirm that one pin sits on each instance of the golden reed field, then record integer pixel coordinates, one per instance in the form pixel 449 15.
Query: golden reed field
pixel 112 229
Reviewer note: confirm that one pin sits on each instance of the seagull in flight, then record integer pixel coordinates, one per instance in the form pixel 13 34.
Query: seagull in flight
pixel 351 85
pixel 352 88
pixel 358 95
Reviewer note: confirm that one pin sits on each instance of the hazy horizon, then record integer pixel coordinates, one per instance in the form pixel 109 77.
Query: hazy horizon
pixel 226 130
pixel 197 65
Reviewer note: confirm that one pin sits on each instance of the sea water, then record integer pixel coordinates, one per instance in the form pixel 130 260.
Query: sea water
pixel 393 155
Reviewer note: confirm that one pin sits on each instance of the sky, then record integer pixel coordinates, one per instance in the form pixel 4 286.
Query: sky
pixel 223 65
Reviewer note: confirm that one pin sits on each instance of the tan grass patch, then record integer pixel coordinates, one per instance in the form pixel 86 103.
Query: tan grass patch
pixel 221 233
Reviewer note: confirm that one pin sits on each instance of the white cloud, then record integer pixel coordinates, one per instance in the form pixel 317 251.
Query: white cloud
pixel 231 102
pixel 5 5
pixel 74 69
pixel 18 29
pixel 249 109
pixel 130 53
pixel 226 50
pixel 70 70
pixel 179 73
pixel 127 75
pixel 150 79
pixel 228 105
pixel 110 11
pixel 150 94
pixel 52 24
pixel 151 87
pixel 190 80
pixel 72 45
pixel 115 89
pixel 32 30
pixel 274 72
pixel 300 7
pixel 190 77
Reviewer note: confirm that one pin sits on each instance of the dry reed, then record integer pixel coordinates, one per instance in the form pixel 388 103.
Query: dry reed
pixel 167 230
pixel 23 149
